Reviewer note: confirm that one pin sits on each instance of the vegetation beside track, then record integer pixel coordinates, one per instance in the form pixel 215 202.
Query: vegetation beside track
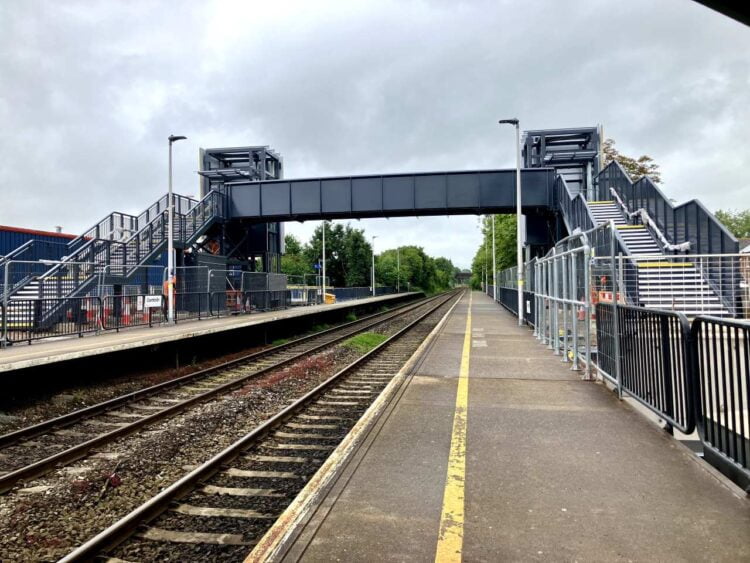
pixel 365 342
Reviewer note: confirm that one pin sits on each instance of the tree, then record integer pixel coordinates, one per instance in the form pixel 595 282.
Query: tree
pixel 635 167
pixel 505 248
pixel 737 221
pixel 417 270
pixel 348 254
pixel 293 262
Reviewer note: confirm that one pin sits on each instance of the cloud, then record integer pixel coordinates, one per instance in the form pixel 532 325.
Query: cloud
pixel 89 93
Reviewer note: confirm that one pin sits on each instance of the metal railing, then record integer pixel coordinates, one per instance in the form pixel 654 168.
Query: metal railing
pixel 689 221
pixel 148 241
pixel 25 320
pixel 722 375
pixel 645 354
pixel 575 211
pixel 349 293
pixel 118 226
pixel 563 300
pixel 235 302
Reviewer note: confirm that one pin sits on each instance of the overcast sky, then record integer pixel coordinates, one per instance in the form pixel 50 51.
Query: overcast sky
pixel 89 92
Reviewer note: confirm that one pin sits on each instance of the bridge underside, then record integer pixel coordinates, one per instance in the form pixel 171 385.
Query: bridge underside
pixel 401 195
pixel 392 195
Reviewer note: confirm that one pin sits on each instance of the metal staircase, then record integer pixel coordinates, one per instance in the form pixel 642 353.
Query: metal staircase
pixel 116 247
pixel 675 285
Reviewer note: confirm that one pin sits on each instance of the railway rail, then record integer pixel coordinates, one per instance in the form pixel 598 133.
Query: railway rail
pixel 221 508
pixel 43 447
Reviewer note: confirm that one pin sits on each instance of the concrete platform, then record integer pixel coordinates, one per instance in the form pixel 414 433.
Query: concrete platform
pixel 556 468
pixel 43 352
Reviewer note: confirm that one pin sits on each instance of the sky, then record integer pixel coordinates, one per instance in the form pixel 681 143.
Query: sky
pixel 90 91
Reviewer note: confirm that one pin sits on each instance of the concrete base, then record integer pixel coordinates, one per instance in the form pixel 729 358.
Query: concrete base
pixel 556 468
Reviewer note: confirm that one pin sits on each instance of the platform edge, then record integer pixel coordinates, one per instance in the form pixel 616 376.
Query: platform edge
pixel 275 541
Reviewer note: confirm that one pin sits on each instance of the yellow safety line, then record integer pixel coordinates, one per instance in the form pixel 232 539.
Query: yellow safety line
pixel 664 264
pixel 599 202
pixel 451 536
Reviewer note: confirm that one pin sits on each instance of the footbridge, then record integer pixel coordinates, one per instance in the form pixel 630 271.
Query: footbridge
pixel 679 257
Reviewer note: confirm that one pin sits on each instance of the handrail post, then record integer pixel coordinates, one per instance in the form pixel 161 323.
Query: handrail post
pixel 615 311
pixel 587 305
pixel 6 281
pixel 565 296
pixel 573 309
pixel 556 294
pixel 667 370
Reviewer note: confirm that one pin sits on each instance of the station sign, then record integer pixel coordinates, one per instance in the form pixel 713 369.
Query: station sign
pixel 152 301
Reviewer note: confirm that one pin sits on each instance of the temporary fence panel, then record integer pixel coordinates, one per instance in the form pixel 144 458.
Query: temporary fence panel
pixel 714 284
pixel 561 303
pixel 123 311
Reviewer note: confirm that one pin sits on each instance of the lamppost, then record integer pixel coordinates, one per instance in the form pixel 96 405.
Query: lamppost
pixel 519 242
pixel 324 262
pixel 373 264
pixel 486 269
pixel 494 261
pixel 398 269
pixel 170 237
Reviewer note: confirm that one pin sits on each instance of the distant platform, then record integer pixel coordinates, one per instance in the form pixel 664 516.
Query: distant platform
pixel 552 468
pixel 44 352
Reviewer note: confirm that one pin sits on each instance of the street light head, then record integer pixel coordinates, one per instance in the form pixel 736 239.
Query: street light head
pixel 173 138
pixel 511 121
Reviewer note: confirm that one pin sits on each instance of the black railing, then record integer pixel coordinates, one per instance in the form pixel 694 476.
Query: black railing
pixel 689 221
pixel 508 298
pixel 348 293
pixel 190 305
pixel 235 302
pixel 575 211
pixel 26 318
pixel 654 362
pixel 722 372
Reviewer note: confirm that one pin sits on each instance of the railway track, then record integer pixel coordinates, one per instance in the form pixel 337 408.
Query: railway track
pixel 33 451
pixel 221 508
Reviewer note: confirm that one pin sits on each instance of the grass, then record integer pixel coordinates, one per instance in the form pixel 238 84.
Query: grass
pixel 280 341
pixel 318 328
pixel 351 317
pixel 364 342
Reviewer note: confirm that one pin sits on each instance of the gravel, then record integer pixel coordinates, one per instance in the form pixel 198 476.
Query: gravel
pixel 49 524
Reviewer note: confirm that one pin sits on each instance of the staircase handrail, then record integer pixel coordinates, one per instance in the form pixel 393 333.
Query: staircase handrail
pixel 573 207
pixel 688 216
pixel 100 230
pixel 206 201
pixel 28 246
pixel 621 203
pixel 132 223
pixel 649 223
